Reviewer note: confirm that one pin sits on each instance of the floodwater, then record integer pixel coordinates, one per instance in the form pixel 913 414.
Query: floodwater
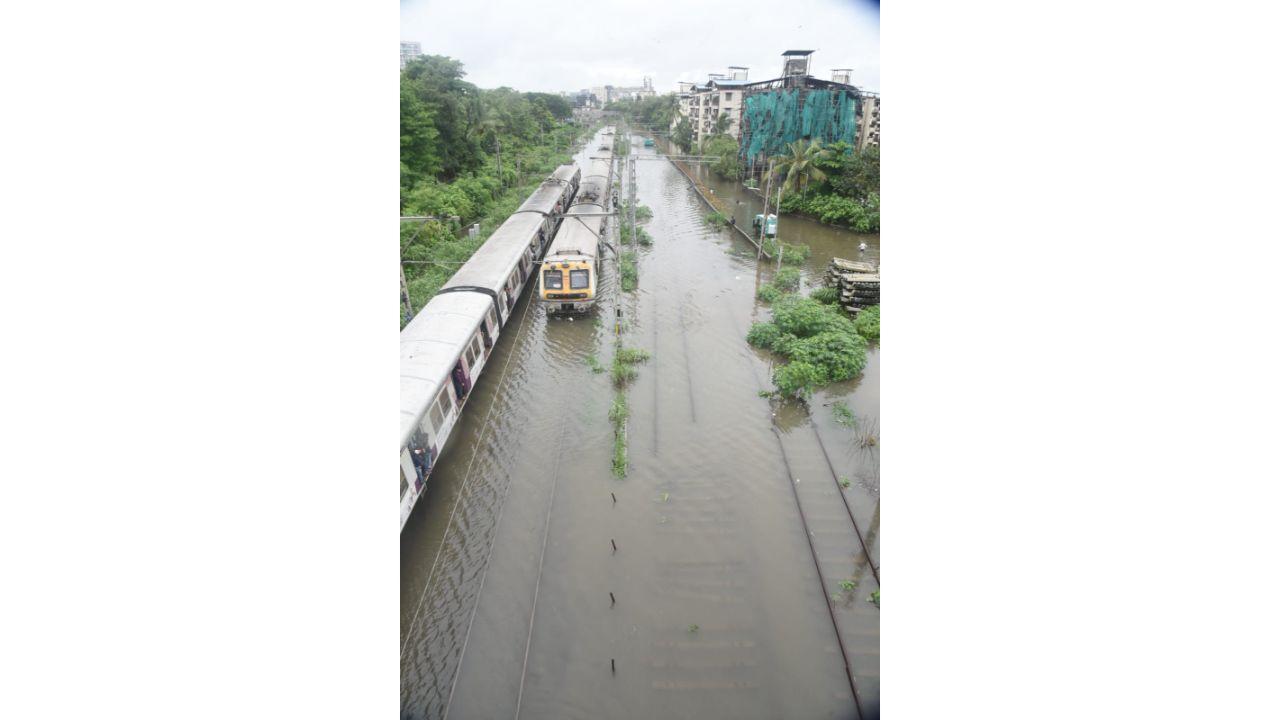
pixel 717 610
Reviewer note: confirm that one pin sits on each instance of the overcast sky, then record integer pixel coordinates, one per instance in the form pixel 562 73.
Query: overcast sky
pixel 554 45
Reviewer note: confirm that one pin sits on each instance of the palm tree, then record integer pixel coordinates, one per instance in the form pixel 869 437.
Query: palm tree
pixel 800 164
pixel 722 124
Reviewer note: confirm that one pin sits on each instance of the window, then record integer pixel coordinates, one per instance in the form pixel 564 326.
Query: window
pixel 552 280
pixel 728 96
pixel 473 351
pixel 475 347
pixel 579 279
pixel 493 319
pixel 440 408
pixel 404 484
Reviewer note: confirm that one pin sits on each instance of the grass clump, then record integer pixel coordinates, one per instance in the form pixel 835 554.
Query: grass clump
pixel 643 213
pixel 825 295
pixel 821 343
pixel 622 372
pixel 630 272
pixel 796 254
pixel 619 455
pixel 593 362
pixel 631 356
pixel 618 412
pixel 643 237
pixel 716 219
pixel 843 414
pixel 867 323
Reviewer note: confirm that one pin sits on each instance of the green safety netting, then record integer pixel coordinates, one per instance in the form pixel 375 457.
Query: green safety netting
pixel 774 118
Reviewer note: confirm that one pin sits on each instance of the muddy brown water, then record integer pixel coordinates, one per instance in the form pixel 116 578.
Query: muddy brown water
pixel 507 564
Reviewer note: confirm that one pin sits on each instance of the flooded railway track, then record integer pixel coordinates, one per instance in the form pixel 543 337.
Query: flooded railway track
pixel 703 610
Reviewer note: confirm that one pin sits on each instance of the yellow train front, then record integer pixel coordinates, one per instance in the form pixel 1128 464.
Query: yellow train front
pixel 570 272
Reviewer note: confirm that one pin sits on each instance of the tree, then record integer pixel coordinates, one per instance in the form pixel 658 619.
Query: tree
pixel 800 163
pixel 722 124
pixel 683 135
pixel 725 150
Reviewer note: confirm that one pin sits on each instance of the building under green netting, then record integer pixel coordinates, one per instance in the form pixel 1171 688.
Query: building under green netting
pixel 772 117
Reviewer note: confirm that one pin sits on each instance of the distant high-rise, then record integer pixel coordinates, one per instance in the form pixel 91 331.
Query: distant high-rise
pixel 409 51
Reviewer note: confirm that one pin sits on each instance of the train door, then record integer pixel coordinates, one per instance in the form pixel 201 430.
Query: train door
pixel 419 459
pixel 484 332
pixel 461 380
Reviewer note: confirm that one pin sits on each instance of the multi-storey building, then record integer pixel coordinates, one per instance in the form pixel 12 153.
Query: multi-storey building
pixel 409 51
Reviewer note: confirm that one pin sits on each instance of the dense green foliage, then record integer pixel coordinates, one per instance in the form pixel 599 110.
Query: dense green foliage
pixel 795 254
pixel 725 150
pixel 467 153
pixel 716 218
pixel 655 112
pixel 768 293
pixel 787 278
pixel 822 344
pixel 682 136
pixel 833 183
pixel 868 323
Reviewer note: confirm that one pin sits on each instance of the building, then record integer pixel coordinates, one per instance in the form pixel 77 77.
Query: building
pixel 703 105
pixel 409 51
pixel 869 121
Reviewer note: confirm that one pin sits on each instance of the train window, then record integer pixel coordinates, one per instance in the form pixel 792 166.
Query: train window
pixel 493 319
pixel 579 279
pixel 476 352
pixel 552 279
pixel 440 408
pixel 404 484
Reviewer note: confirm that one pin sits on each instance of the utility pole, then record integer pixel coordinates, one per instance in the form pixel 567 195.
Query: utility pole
pixel 764 216
pixel 778 210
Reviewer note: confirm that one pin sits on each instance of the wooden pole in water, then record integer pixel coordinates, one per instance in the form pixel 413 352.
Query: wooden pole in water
pixel 615 544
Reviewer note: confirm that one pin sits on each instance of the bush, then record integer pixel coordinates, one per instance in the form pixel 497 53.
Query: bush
pixel 798 379
pixel 787 279
pixel 825 295
pixel 867 323
pixel 768 293
pixel 839 355
pixel 795 254
pixel 643 213
pixel 717 219
pixel 805 317
pixel 763 335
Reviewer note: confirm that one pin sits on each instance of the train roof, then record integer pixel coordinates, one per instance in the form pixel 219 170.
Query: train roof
pixel 577 236
pixel 429 347
pixel 492 264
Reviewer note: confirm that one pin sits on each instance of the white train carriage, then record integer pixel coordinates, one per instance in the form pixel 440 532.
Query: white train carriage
pixel 571 267
pixel 445 347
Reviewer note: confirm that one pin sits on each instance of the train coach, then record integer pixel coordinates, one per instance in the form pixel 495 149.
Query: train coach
pixel 570 273
pixel 446 346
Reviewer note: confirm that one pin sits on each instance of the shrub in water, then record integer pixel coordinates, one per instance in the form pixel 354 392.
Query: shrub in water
pixel 768 293
pixel 763 335
pixel 795 254
pixel 825 295
pixel 798 379
pixel 840 355
pixel 787 279
pixel 868 323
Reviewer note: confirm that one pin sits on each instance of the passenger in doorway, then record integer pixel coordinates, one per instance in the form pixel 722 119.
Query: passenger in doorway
pixel 421 464
pixel 463 382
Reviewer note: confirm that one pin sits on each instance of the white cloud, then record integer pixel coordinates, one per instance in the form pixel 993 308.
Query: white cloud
pixel 553 46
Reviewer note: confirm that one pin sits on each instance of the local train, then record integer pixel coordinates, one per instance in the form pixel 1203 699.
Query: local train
pixel 571 267
pixel 446 346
